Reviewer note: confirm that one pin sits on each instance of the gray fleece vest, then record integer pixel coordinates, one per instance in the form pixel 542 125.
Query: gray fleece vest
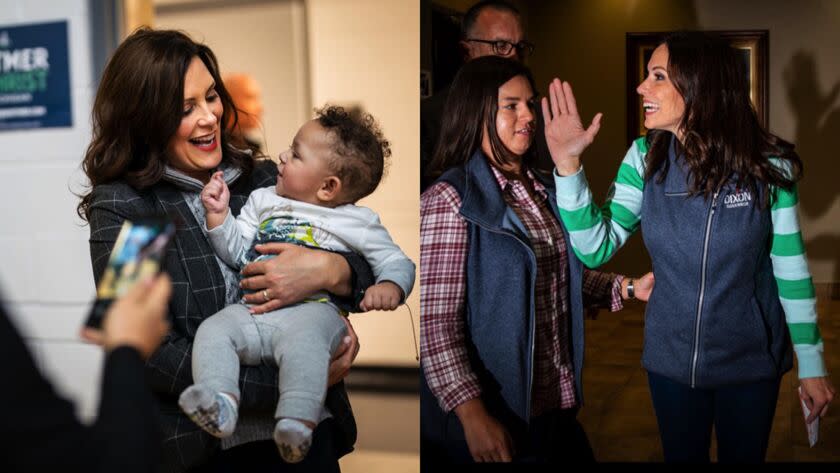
pixel 715 317
pixel 500 315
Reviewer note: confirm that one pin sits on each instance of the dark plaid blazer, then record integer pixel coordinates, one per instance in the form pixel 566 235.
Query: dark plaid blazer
pixel 198 291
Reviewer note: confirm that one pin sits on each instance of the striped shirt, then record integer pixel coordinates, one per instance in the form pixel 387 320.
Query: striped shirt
pixel 597 233
pixel 443 254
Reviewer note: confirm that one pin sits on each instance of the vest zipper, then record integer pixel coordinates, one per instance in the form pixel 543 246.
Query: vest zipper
pixel 533 323
pixel 702 290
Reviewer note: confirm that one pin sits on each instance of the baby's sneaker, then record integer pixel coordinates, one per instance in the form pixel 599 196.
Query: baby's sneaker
pixel 293 439
pixel 214 412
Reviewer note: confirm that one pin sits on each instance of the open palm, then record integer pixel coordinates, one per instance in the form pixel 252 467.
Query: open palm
pixel 564 133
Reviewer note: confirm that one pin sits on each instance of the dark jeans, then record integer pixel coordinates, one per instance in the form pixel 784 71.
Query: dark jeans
pixel 554 437
pixel 557 437
pixel 742 415
pixel 263 457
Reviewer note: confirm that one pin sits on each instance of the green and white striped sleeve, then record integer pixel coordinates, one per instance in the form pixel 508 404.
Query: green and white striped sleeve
pixel 796 289
pixel 597 233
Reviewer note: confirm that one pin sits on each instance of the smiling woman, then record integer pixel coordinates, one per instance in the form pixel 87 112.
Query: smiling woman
pixel 752 49
pixel 194 149
pixel 725 316
pixel 158 135
pixel 663 104
pixel 150 129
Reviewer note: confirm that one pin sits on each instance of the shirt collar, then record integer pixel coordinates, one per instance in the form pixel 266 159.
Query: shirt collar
pixel 187 183
pixel 516 187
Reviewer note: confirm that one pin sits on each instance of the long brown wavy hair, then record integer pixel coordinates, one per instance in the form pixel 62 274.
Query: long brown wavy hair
pixel 722 137
pixel 471 108
pixel 138 108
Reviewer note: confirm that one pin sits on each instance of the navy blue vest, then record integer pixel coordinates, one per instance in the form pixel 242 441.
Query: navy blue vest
pixel 714 317
pixel 500 306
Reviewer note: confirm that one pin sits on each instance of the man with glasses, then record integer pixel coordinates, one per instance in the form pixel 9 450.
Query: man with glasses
pixel 504 48
pixel 490 27
pixel 494 28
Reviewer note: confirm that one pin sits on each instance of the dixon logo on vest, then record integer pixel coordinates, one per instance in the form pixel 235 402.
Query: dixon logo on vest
pixel 740 198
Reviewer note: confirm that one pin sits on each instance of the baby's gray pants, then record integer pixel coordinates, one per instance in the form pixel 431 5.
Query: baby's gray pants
pixel 298 339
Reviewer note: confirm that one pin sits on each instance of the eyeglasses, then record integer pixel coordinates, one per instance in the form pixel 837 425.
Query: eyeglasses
pixel 503 48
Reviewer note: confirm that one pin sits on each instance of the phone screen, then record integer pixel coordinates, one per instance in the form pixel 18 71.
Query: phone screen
pixel 137 253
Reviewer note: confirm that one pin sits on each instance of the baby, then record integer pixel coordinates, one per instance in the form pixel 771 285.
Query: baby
pixel 335 160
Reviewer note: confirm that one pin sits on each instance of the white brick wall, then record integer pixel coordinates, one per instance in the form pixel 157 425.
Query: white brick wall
pixel 45 274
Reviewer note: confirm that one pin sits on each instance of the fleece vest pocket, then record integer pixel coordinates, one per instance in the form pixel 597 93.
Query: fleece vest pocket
pixel 766 330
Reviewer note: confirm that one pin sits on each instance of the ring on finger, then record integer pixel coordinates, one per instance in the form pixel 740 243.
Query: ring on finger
pixel 265 295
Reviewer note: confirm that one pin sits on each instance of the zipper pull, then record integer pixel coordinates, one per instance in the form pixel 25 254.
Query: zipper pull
pixel 714 204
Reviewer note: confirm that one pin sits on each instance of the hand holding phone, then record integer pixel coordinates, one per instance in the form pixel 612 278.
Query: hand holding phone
pixel 137 319
pixel 137 254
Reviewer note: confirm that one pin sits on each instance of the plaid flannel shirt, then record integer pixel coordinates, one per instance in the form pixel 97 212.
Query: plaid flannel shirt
pixel 443 254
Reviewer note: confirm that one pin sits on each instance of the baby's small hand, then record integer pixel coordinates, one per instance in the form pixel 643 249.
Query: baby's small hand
pixel 383 296
pixel 216 196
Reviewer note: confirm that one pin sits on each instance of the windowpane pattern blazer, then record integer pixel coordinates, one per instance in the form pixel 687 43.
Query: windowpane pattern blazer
pixel 198 291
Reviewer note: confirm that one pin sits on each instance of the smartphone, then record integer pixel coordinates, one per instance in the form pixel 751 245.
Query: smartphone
pixel 137 253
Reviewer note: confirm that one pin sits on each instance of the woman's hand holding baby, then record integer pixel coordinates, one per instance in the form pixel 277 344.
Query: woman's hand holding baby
pixel 215 197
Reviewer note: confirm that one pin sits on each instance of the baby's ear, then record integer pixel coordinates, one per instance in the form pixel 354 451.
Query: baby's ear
pixel 330 189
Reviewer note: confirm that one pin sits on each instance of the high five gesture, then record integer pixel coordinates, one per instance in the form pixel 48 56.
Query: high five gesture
pixel 564 132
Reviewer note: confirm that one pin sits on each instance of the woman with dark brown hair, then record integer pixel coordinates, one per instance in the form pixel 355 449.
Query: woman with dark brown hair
pixel 158 136
pixel 715 195
pixel 502 294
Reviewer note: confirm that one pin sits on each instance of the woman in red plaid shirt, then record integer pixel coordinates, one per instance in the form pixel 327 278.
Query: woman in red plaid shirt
pixel 502 295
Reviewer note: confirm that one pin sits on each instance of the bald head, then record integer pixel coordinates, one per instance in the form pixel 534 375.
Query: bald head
pixel 247 96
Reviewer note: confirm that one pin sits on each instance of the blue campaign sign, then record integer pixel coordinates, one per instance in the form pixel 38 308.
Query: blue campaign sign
pixel 34 76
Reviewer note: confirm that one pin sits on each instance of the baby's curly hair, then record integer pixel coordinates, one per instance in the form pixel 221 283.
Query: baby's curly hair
pixel 360 152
